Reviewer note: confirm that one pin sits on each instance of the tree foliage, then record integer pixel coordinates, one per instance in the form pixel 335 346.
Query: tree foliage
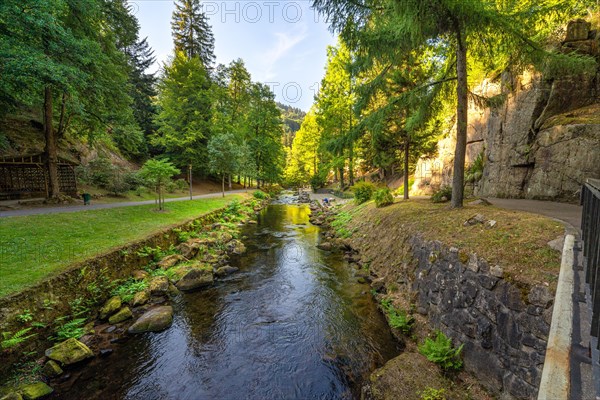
pixel 192 35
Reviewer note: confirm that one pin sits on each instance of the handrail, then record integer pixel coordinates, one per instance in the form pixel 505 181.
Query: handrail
pixel 590 234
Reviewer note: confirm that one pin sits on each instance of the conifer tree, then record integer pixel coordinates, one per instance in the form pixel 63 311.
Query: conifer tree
pixel 192 33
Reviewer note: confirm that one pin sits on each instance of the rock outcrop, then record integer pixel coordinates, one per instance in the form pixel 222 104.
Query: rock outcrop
pixel 541 141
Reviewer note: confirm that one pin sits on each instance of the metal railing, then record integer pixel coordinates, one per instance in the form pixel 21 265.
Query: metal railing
pixel 590 234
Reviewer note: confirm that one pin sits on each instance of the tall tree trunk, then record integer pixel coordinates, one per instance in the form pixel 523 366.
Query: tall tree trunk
pixel 244 182
pixel 229 181
pixel 406 150
pixel 223 185
pixel 342 178
pixel 461 121
pixel 191 183
pixel 351 165
pixel 50 150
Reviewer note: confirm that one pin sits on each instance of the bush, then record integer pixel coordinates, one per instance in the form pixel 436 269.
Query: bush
pixel 272 190
pixel 182 184
pixel 442 195
pixel 318 181
pixel 441 352
pixel 383 197
pixel 363 192
pixel 259 194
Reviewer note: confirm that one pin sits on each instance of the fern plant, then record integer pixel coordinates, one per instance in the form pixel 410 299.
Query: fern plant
pixel 397 318
pixel 71 329
pixel 10 340
pixel 441 352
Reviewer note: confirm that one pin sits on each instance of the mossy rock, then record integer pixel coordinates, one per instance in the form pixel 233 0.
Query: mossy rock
pixel 110 307
pixel 69 352
pixel 159 286
pixel 36 390
pixel 52 369
pixel 405 377
pixel 195 278
pixel 123 314
pixel 155 320
pixel 140 298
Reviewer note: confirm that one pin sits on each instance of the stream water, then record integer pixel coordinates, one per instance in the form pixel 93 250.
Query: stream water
pixel 292 324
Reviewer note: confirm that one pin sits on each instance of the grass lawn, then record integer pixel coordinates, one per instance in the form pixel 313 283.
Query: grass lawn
pixel 37 246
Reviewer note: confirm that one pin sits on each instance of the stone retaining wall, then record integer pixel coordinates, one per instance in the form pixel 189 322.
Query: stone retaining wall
pixel 504 326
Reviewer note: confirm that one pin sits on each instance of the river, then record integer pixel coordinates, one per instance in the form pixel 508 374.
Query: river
pixel 293 323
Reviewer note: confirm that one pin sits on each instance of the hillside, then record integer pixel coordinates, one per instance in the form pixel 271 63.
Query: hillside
pixel 292 119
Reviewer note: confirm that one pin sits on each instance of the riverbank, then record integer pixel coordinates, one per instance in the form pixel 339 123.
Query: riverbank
pixel 140 276
pixel 483 276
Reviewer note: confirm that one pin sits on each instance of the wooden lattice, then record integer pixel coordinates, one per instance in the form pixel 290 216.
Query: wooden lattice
pixel 22 177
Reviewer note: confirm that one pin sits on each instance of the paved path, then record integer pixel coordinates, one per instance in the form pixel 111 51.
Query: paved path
pixel 71 208
pixel 569 213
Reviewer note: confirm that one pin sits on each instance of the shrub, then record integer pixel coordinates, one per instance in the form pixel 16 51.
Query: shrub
pixel 171 187
pixel 442 195
pixel 318 181
pixel 383 197
pixel 272 190
pixel 182 184
pixel 259 194
pixel 441 352
pixel 363 192
pixel 233 208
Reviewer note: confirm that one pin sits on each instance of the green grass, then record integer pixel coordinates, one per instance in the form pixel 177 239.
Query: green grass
pixel 38 246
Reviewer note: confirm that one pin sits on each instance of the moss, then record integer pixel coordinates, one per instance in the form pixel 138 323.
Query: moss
pixel 35 391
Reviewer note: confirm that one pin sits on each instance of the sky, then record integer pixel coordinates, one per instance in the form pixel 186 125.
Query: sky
pixel 283 43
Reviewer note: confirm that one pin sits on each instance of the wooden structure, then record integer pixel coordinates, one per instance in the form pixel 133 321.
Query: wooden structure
pixel 26 177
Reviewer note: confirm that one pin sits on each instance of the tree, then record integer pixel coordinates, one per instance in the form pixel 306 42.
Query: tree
pixel 142 86
pixel 410 24
pixel 226 155
pixel 264 133
pixel 64 57
pixel 185 110
pixel 192 34
pixel 335 103
pixel 305 158
pixel 159 172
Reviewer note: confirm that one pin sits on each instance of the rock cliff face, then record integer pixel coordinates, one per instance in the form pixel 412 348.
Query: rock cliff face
pixel 542 142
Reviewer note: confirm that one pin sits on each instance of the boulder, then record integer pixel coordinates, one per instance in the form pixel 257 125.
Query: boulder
pixel 69 352
pixel 159 285
pixel 52 369
pixel 123 314
pixel 110 307
pixel 236 247
pixel 139 275
pixel 155 320
pixel 35 390
pixel 327 246
pixel 170 261
pixel 195 278
pixel 140 298
pixel 225 270
pixel 474 220
pixel 577 30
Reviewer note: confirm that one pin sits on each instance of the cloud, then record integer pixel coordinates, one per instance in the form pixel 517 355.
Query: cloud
pixel 285 41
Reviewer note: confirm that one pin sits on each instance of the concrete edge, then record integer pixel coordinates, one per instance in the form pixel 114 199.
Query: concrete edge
pixel 555 383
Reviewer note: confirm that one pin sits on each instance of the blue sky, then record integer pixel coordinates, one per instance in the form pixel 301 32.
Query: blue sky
pixel 283 43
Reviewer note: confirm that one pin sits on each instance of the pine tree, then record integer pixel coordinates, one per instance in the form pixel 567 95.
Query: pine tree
pixel 192 34
pixel 142 85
